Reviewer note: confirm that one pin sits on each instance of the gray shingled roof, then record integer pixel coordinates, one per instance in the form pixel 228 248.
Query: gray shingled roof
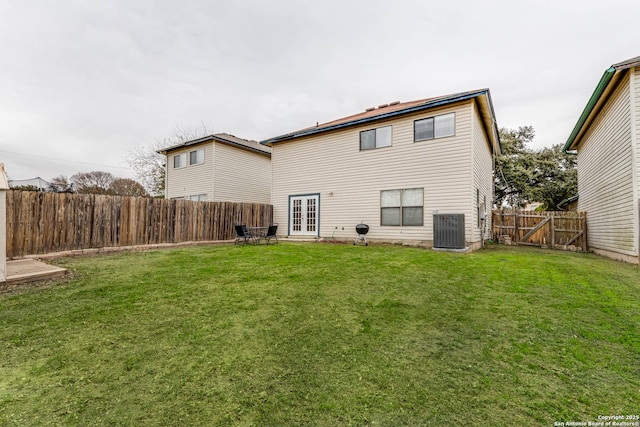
pixel 223 138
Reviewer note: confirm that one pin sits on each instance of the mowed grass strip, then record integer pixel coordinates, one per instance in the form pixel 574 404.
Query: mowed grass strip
pixel 323 334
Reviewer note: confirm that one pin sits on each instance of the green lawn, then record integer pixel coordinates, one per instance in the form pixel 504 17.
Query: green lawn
pixel 323 334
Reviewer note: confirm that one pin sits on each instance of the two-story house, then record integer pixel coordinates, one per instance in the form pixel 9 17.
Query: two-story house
pixel 218 167
pixel 606 139
pixel 391 167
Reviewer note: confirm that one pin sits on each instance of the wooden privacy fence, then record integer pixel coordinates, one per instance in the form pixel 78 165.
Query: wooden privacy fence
pixel 39 223
pixel 561 230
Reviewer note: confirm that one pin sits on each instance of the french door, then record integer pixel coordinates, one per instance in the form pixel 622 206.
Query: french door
pixel 303 215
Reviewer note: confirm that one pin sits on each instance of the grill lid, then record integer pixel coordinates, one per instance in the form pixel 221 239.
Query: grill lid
pixel 362 228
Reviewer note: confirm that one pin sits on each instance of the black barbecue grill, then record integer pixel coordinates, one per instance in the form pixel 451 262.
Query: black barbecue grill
pixel 362 230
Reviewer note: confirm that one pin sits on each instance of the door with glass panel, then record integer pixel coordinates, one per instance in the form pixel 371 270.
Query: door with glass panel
pixel 303 215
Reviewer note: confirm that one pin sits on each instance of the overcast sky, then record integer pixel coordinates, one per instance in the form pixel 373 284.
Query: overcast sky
pixel 83 82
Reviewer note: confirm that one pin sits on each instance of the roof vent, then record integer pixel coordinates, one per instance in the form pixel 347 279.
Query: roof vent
pixel 370 109
pixel 383 105
pixel 394 103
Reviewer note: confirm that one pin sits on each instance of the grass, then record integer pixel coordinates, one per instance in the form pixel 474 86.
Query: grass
pixel 320 334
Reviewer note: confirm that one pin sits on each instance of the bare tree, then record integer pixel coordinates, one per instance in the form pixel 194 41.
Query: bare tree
pixel 149 165
pixel 127 187
pixel 96 182
pixel 62 184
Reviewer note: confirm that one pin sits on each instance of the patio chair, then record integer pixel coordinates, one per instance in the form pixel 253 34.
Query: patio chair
pixel 243 235
pixel 271 233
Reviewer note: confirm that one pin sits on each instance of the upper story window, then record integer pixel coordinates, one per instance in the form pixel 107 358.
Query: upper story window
pixel 375 138
pixel 434 127
pixel 179 161
pixel 196 157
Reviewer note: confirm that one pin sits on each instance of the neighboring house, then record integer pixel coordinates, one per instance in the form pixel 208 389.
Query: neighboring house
pixel 532 206
pixel 570 204
pixel 606 141
pixel 218 167
pixel 39 184
pixel 390 167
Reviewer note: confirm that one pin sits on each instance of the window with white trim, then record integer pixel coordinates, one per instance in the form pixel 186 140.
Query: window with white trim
pixel 179 161
pixel 196 157
pixel 402 207
pixel 375 138
pixel 434 127
pixel 198 198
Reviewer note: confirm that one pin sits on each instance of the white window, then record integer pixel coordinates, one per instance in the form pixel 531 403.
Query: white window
pixel 198 198
pixel 179 161
pixel 375 138
pixel 423 129
pixel 196 157
pixel 445 125
pixel 434 127
pixel 402 207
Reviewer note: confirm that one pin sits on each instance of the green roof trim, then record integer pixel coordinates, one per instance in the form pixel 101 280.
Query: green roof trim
pixel 595 97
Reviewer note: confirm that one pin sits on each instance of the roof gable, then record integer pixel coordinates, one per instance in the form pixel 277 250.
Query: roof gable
pixel 223 138
pixel 605 87
pixel 396 109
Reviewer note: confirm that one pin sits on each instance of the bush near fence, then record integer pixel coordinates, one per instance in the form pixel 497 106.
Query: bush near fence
pixel 556 229
pixel 39 223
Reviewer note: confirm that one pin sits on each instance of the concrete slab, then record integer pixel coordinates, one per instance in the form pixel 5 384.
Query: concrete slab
pixel 29 270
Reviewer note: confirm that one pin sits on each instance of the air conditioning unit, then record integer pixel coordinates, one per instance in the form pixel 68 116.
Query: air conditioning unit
pixel 448 231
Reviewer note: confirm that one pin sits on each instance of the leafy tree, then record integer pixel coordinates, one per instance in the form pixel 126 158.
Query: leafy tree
pixel 513 168
pixel 524 175
pixel 149 165
pixel 127 187
pixel 557 176
pixel 96 182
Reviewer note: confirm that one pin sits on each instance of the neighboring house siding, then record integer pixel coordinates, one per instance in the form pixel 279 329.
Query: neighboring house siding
pixel 482 177
pixel 605 181
pixel 349 181
pixel 241 175
pixel 191 179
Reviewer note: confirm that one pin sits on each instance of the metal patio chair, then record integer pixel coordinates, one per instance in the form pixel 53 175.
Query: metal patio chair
pixel 271 233
pixel 243 235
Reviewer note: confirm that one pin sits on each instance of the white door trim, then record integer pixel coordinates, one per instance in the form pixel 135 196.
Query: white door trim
pixel 304 215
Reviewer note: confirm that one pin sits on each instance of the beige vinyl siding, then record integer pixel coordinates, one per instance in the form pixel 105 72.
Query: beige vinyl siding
pixel 241 175
pixel 191 179
pixel 349 181
pixel 605 174
pixel 635 139
pixel 482 177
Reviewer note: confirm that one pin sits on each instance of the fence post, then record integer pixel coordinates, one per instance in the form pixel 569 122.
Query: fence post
pixel 553 231
pixel 585 244
pixel 516 237
pixel 4 186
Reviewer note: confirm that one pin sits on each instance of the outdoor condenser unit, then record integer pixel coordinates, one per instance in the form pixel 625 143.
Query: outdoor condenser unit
pixel 448 231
